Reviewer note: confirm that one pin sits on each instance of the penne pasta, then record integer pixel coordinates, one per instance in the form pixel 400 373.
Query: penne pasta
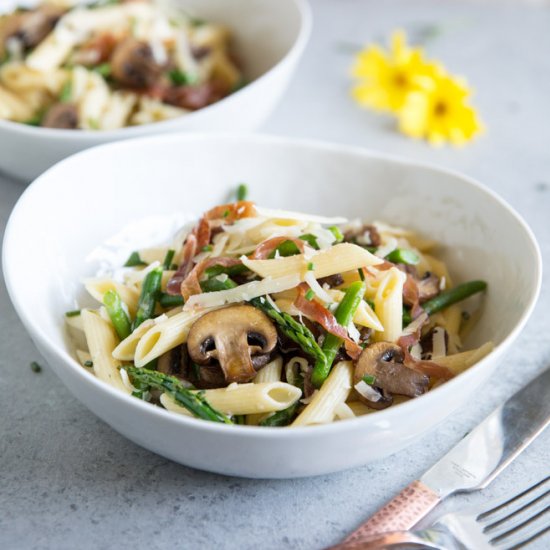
pixel 333 393
pixel 388 304
pixel 102 340
pixel 246 399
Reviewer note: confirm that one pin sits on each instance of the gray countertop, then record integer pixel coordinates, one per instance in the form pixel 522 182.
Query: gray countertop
pixel 68 481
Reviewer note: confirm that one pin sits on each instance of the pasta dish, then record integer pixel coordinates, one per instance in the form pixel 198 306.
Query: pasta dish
pixel 107 64
pixel 273 318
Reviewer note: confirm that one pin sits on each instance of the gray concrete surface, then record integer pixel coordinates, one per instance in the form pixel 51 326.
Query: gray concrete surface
pixel 67 481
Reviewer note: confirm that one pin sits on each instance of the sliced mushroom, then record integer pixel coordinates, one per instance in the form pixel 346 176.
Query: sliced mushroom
pixel 239 338
pixel 428 286
pixel 196 96
pixel 61 115
pixel 174 362
pixel 134 65
pixel 365 235
pixel 30 27
pixel 383 361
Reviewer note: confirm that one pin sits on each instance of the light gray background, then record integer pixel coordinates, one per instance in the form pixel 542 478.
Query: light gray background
pixel 68 481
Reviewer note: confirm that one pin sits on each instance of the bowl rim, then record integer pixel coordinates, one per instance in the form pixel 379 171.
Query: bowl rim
pixel 128 132
pixel 386 415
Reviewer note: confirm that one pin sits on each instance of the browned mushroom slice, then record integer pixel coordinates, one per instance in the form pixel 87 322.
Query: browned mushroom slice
pixel 30 27
pixel 236 337
pixel 365 235
pixel 196 96
pixel 61 115
pixel 428 287
pixel 382 363
pixel 134 65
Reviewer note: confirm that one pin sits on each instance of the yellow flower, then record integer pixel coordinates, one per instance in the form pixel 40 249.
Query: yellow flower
pixel 439 111
pixel 387 78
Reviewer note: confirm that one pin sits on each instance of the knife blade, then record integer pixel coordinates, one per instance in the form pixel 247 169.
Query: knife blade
pixel 471 464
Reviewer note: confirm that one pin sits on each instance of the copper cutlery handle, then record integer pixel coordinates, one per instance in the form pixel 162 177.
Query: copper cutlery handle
pixel 400 514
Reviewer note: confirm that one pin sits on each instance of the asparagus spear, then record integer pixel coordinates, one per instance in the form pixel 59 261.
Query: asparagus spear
pixel 119 317
pixel 292 329
pixel 168 300
pixel 150 291
pixel 213 285
pixel 194 402
pixel 281 418
pixel 448 298
pixel 344 314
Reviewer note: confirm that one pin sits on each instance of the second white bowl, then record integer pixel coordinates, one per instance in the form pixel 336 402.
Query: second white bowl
pixel 269 38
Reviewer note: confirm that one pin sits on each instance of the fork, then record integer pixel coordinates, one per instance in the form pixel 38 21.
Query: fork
pixel 510 525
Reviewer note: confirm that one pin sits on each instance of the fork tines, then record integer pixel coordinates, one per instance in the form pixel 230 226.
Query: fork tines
pixel 521 519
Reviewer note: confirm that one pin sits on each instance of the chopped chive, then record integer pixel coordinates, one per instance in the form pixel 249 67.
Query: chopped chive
pixel 66 93
pixel 88 363
pixel 371 304
pixel 239 419
pixel 338 235
pixel 226 213
pixel 73 313
pixel 310 239
pixel 361 274
pixel 93 123
pixel 369 379
pixel 36 120
pixel 242 192
pixel 310 295
pixel 134 260
pixel 219 269
pixel 104 69
pixel 35 367
pixel 215 285
pixel 207 248
pixel 168 300
pixel 179 78
pixel 286 248
pixel 168 259
pixel 403 256
pixel 310 266
pixel 117 313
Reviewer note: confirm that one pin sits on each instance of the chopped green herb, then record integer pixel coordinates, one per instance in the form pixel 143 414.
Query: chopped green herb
pixel 310 266
pixel 286 248
pixel 242 192
pixel 226 213
pixel 105 70
pixel 207 248
pixel 371 304
pixel 168 300
pixel 93 124
pixel 179 78
pixel 197 21
pixel 369 379
pixel 73 313
pixel 403 256
pixel 168 259
pixel 134 260
pixel 66 93
pixel 337 233
pixel 35 367
pixel 240 84
pixel 310 295
pixel 361 274
pixel 36 120
pixel 88 363
pixel 310 239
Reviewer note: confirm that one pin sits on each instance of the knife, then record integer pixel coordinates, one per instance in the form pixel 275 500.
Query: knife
pixel 472 464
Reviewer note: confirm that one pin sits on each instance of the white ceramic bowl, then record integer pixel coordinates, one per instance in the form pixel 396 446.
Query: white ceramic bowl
pixel 80 203
pixel 269 38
